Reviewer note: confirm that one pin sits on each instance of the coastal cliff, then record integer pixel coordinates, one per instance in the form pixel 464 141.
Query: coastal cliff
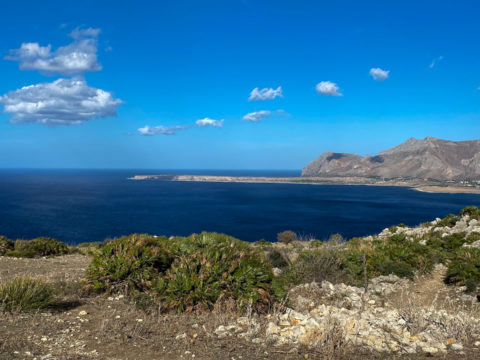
pixel 428 158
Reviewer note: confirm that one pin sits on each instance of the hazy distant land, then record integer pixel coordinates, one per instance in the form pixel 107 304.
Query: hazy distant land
pixel 417 184
pixel 428 165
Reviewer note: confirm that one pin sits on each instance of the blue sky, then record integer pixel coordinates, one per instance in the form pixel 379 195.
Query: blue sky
pixel 148 71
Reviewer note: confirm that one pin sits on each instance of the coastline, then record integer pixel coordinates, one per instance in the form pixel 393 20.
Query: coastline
pixel 428 186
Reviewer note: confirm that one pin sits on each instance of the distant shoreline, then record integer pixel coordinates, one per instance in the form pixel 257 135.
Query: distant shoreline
pixel 429 186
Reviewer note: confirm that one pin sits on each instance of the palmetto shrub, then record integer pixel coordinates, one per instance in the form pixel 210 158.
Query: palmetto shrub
pixel 184 273
pixel 26 294
pixel 130 262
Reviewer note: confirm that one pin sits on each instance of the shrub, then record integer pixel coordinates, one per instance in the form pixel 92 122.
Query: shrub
pixel 184 273
pixel 336 239
pixel 395 255
pixel 450 220
pixel 5 245
pixel 130 262
pixel 42 246
pixel 323 263
pixel 472 211
pixel 286 237
pixel 277 259
pixel 464 269
pixel 26 294
pixel 400 257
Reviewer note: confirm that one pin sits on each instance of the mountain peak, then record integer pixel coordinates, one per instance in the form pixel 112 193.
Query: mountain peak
pixel 428 158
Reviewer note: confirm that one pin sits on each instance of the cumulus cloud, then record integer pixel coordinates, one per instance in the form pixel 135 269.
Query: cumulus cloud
pixel 209 122
pixel 62 102
pixel 256 116
pixel 265 94
pixel 160 130
pixel 328 88
pixel 435 62
pixel 379 74
pixel 76 58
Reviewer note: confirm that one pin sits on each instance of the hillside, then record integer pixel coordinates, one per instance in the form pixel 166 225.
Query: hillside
pixel 429 158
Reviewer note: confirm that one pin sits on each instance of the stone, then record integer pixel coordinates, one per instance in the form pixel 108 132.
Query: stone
pixel 181 336
pixel 457 347
pixel 272 329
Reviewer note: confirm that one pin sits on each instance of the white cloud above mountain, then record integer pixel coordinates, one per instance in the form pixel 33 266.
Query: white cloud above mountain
pixel 265 94
pixel 76 58
pixel 256 116
pixel 328 88
pixel 62 102
pixel 209 122
pixel 379 74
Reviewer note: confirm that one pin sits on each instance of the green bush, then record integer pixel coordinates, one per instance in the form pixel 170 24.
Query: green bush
pixel 464 269
pixel 472 211
pixel 5 245
pixel 184 273
pixel 130 263
pixel 400 257
pixel 450 220
pixel 277 259
pixel 42 246
pixel 286 237
pixel 26 294
pixel 395 255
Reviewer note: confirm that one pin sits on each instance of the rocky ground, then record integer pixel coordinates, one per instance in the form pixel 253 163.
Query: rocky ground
pixel 396 318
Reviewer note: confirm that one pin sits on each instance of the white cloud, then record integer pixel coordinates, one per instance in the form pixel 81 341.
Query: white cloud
pixel 62 102
pixel 256 116
pixel 160 130
pixel 209 122
pixel 379 74
pixel 265 94
pixel 79 33
pixel 76 58
pixel 328 88
pixel 435 62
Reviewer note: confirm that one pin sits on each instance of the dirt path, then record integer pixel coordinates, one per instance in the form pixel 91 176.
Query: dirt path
pixel 430 291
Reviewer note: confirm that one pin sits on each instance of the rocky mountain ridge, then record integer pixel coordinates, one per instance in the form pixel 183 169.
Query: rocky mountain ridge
pixel 428 158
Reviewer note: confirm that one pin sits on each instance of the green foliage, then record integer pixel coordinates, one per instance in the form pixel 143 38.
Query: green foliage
pixel 130 262
pixel 400 257
pixel 286 237
pixel 184 273
pixel 5 245
pixel 42 246
pixel 395 255
pixel 464 269
pixel 472 237
pixel 277 259
pixel 26 294
pixel 450 220
pixel 472 211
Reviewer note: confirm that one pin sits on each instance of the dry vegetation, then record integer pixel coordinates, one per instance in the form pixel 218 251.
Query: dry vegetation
pixel 90 305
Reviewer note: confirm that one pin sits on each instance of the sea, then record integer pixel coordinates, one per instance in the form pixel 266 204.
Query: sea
pixel 77 206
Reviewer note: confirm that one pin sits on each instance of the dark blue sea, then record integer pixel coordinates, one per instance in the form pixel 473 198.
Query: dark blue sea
pixel 90 205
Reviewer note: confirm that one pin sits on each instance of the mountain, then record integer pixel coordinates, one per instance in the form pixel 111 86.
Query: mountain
pixel 429 158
